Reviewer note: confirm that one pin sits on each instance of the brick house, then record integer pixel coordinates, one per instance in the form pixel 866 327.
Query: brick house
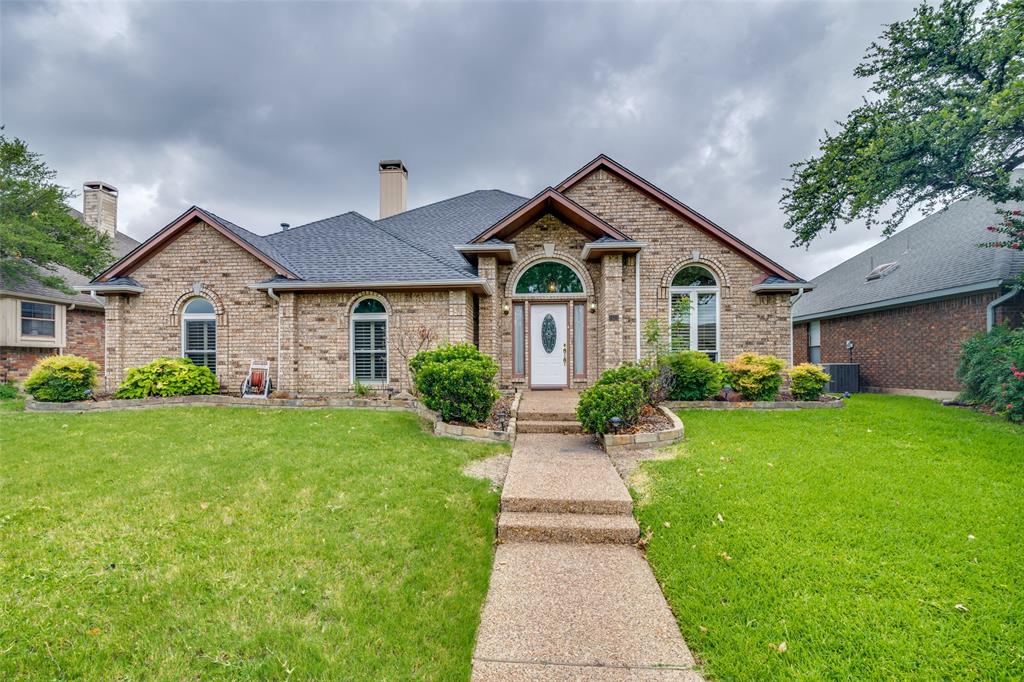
pixel 37 320
pixel 557 287
pixel 902 308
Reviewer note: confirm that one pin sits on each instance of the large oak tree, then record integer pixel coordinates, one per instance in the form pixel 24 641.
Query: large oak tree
pixel 943 119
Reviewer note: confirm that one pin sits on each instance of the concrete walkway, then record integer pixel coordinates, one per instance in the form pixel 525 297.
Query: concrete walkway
pixel 571 598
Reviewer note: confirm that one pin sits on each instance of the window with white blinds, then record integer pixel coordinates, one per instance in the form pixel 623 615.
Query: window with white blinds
pixel 693 311
pixel 370 343
pixel 38 319
pixel 199 333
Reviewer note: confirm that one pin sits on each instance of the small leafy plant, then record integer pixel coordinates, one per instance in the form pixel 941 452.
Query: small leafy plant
pixel 692 376
pixel 166 377
pixel 457 381
pixel 602 402
pixel 360 389
pixel 631 373
pixel 756 377
pixel 8 391
pixel 62 378
pixel 807 381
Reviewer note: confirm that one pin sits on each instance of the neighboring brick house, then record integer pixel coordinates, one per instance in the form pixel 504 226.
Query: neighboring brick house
pixel 37 320
pixel 902 308
pixel 557 288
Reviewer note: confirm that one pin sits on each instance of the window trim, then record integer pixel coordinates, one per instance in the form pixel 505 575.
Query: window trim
pixel 187 317
pixel 369 317
pixel 37 337
pixel 694 293
pixel 555 295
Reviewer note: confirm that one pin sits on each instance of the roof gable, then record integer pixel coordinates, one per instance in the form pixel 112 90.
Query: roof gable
pixel 616 169
pixel 549 201
pixel 254 244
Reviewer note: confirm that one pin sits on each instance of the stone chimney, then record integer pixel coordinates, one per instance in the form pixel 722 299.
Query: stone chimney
pixel 393 180
pixel 99 201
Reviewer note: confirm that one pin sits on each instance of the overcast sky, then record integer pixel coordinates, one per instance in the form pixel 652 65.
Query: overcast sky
pixel 272 111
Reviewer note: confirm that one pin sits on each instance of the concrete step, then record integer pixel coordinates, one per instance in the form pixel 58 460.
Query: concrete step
pixel 565 505
pixel 588 528
pixel 533 426
pixel 546 416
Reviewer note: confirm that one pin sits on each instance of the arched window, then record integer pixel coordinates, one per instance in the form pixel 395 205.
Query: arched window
pixel 199 333
pixel 549 277
pixel 369 356
pixel 694 298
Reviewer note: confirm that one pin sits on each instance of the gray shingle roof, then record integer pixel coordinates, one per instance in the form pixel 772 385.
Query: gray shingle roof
pixel 937 253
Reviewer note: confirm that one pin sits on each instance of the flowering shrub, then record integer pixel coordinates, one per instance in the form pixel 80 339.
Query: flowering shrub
pixel 991 371
pixel 756 377
pixel 61 378
pixel 1011 396
pixel 807 381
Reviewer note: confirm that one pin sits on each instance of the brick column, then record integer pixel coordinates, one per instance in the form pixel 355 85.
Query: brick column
pixel 458 310
pixel 611 310
pixel 288 359
pixel 113 342
pixel 487 269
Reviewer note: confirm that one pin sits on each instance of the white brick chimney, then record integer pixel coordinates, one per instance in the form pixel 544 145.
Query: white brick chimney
pixel 393 181
pixel 99 205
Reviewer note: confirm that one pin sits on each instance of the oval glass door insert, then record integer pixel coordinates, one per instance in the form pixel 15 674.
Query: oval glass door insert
pixel 548 333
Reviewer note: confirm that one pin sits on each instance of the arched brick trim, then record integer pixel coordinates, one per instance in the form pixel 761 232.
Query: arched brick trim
pixel 202 292
pixel 716 268
pixel 558 255
pixel 369 294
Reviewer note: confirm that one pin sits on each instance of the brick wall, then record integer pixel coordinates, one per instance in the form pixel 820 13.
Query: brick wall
pixel 914 347
pixel 85 334
pixel 16 362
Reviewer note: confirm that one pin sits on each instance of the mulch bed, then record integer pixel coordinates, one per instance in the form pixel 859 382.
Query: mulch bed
pixel 651 419
pixel 825 397
pixel 500 415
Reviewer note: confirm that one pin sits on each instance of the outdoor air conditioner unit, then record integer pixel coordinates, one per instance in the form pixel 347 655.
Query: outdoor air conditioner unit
pixel 845 377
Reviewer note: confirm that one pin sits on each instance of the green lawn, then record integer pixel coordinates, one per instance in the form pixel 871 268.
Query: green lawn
pixel 238 544
pixel 851 535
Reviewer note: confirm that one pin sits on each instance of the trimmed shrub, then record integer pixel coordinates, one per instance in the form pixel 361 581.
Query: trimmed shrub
pixel 807 381
pixel 631 373
pixel 603 401
pixel 166 377
pixel 756 377
pixel 61 379
pixel 8 391
pixel 692 376
pixel 457 381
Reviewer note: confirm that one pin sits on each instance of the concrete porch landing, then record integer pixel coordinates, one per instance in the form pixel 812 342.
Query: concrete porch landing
pixel 548 412
pixel 571 597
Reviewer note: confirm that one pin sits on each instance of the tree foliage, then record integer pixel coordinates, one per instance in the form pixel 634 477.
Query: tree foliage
pixel 37 231
pixel 944 118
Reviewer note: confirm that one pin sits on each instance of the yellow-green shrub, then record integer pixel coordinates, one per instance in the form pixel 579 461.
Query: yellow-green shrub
pixel 756 377
pixel 807 381
pixel 61 378
pixel 166 377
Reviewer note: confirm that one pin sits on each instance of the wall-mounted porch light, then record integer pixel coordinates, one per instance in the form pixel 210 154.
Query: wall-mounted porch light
pixel 593 307
pixel 505 308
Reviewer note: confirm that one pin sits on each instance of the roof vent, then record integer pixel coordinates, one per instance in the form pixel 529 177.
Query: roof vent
pixel 881 271
pixel 284 227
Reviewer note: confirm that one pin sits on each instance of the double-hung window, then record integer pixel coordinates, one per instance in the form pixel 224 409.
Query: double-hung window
pixel 370 342
pixel 693 311
pixel 38 320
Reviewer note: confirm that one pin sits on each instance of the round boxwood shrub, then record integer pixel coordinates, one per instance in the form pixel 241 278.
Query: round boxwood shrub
pixel 756 377
pixel 165 377
pixel 807 381
pixel 631 373
pixel 604 401
pixel 692 375
pixel 457 381
pixel 61 379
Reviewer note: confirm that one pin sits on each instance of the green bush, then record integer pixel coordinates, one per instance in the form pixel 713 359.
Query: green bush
pixel 631 373
pixel 692 376
pixel 991 370
pixel 168 377
pixel 807 381
pixel 457 381
pixel 61 378
pixel 602 401
pixel 8 391
pixel 756 377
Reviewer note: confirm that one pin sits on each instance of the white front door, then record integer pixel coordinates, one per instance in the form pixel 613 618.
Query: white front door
pixel 549 349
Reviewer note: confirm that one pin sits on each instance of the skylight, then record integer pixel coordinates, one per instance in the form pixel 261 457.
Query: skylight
pixel 881 271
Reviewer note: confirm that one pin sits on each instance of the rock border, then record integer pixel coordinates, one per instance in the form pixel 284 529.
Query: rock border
pixel 752 404
pixel 614 443
pixel 440 428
